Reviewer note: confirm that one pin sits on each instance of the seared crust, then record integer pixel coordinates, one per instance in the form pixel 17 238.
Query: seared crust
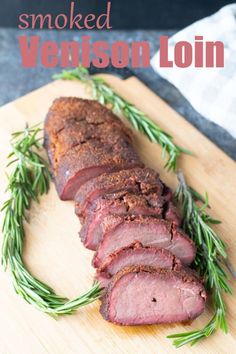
pixel 73 121
pixel 183 274
pixel 130 201
pixel 66 108
pixel 138 180
pixel 77 132
pixel 90 150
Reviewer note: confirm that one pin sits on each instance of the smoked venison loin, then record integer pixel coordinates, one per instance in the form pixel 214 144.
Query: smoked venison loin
pixel 120 231
pixel 127 216
pixel 141 295
pixel 134 255
pixel 137 191
pixel 84 140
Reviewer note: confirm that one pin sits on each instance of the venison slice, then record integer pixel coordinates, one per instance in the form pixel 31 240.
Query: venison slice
pixel 119 232
pixel 140 295
pixel 134 255
pixel 121 203
pixel 136 180
pixel 86 161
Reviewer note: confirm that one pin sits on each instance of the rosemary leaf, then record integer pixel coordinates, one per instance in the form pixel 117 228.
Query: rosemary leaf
pixel 29 179
pixel 102 92
pixel 210 260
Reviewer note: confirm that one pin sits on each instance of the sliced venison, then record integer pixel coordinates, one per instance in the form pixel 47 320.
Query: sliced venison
pixel 134 255
pixel 121 231
pixel 84 162
pixel 141 295
pixel 137 180
pixel 123 203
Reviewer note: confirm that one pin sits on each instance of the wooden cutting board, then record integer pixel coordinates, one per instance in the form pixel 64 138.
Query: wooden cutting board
pixel 53 251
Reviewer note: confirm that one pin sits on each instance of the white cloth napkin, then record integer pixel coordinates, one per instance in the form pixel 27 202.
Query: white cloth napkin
pixel 211 91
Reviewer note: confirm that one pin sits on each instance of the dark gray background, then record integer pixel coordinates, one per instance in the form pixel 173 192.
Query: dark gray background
pixel 165 17
pixel 126 14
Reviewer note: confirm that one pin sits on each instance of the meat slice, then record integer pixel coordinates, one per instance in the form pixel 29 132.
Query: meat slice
pixel 134 255
pixel 121 203
pixel 83 140
pixel 141 295
pixel 120 232
pixel 137 180
pixel 90 160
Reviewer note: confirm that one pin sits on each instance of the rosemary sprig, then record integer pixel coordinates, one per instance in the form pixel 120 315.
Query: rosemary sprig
pixel 102 92
pixel 29 179
pixel 210 259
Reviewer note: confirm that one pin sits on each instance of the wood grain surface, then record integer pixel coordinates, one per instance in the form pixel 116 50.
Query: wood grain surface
pixel 54 253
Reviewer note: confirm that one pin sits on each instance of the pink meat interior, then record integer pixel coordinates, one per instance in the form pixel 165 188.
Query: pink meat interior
pixel 143 256
pixel 155 257
pixel 149 234
pixel 147 298
pixel 68 188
